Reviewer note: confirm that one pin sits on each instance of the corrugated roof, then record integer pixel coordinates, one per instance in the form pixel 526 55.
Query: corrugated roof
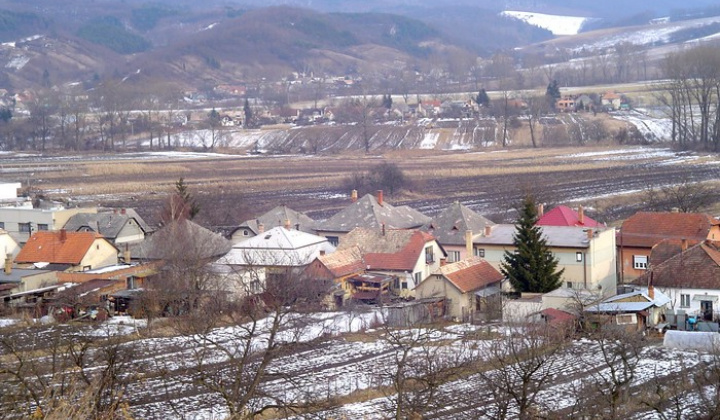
pixel 57 247
pixel 367 213
pixel 449 227
pixel 471 274
pixel 645 229
pixel 565 216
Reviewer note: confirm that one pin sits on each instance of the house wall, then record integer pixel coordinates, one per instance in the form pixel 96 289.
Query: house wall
pixel 457 304
pixel 100 254
pixel 422 269
pixel 520 310
pixel 627 272
pixel 456 248
pixel 131 232
pixel 695 296
pixel 12 217
pixel 36 281
pixel 8 246
pixel 241 234
pixel 596 271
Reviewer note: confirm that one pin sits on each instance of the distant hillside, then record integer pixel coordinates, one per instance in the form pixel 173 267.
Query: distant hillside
pixel 15 25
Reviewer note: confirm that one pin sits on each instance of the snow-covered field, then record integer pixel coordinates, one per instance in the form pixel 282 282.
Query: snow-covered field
pixel 557 24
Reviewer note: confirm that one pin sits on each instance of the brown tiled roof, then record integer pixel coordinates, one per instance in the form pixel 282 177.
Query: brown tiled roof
pixel 395 250
pixel 696 268
pixel 52 248
pixel 344 262
pixel 471 274
pixel 667 249
pixel 645 229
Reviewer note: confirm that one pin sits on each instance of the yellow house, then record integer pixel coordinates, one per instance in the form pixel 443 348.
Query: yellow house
pixel 586 254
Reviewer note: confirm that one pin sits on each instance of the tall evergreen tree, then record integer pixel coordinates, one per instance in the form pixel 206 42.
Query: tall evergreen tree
pixel 482 98
pixel 247 110
pixel 532 268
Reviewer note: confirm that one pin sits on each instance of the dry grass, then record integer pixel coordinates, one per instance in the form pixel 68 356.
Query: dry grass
pixel 113 169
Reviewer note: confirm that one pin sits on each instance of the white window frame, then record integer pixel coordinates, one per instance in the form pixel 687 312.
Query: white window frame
pixel 640 262
pixel 453 256
pixel 578 256
pixel 626 319
pixel 684 300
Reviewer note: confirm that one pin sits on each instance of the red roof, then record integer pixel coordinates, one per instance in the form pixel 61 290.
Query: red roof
pixel 471 274
pixel 405 258
pixel 343 262
pixel 696 268
pixel 565 216
pixel 59 247
pixel 556 315
pixel 645 229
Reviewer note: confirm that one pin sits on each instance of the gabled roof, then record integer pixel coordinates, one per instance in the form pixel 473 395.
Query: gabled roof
pixel 277 217
pixel 556 236
pixel 666 249
pixel 368 213
pixel 565 216
pixel 636 301
pixel 449 227
pixel 396 250
pixel 108 224
pixel 57 247
pixel 696 268
pixel 645 229
pixel 182 239
pixel 471 274
pixel 278 247
pixel 343 262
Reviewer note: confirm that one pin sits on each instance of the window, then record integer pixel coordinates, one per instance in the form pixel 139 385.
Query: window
pixel 130 282
pixel 453 256
pixel 624 319
pixel 334 240
pixel 42 226
pixel 429 255
pixel 245 232
pixel 418 279
pixel 569 285
pixel 578 256
pixel 24 227
pixel 480 252
pixel 640 262
pixel 684 301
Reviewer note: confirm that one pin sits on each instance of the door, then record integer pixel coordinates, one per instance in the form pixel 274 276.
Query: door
pixel 706 307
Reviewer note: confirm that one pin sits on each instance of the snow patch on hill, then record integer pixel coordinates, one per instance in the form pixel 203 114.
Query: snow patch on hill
pixel 557 24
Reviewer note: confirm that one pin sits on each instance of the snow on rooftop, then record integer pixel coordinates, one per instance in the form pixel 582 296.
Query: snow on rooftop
pixel 557 24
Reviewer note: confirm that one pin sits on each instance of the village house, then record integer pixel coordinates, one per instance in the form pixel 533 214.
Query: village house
pixel 565 104
pixel 565 216
pixel 611 100
pixel 643 230
pixel 691 278
pixel 634 311
pixel 337 268
pixel 67 251
pixel 410 255
pixel 371 213
pixel 471 287
pixel 454 228
pixel 279 216
pixel 587 255
pixel 119 226
pixel 17 280
pixel 21 220
pixel 272 255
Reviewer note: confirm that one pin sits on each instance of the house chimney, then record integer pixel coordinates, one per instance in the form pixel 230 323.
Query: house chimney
pixel 651 288
pixel 540 209
pixel 684 244
pixel 353 196
pixel 380 197
pixel 8 265
pixel 288 225
pixel 590 234
pixel 261 228
pixel 581 215
pixel 123 211
pixel 443 262
pixel 126 254
pixel 468 243
pixel 63 235
pixel 322 252
pixel 488 230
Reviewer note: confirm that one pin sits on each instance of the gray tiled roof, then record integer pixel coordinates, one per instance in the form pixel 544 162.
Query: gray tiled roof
pixel 181 239
pixel 276 218
pixel 367 213
pixel 108 224
pixel 449 226
pixel 556 236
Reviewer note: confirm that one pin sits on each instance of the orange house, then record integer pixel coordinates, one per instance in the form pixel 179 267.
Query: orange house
pixel 644 230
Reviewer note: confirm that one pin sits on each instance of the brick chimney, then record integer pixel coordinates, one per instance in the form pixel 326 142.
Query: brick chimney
pixel 63 235
pixel 123 211
pixel 288 224
pixel 684 244
pixel 353 196
pixel 261 228
pixel 581 215
pixel 468 243
pixel 380 197
pixel 590 234
pixel 540 209
pixel 8 265
pixel 488 230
